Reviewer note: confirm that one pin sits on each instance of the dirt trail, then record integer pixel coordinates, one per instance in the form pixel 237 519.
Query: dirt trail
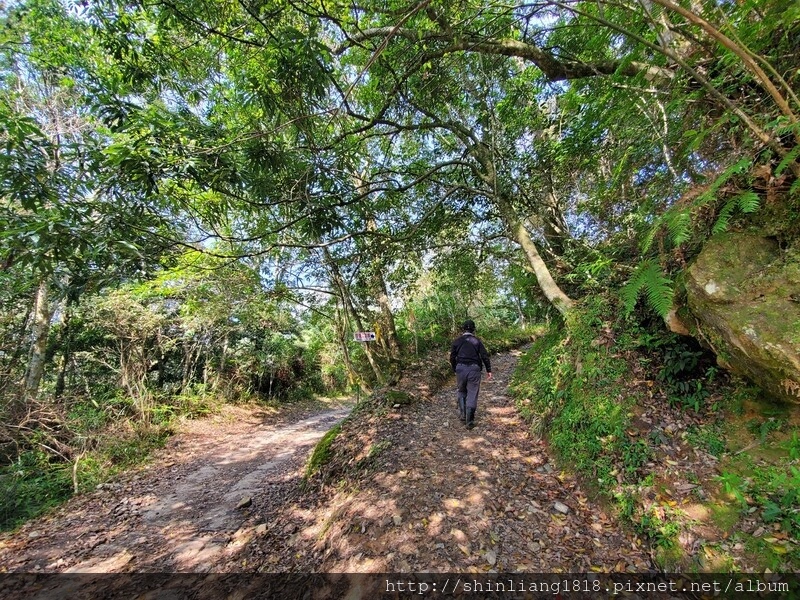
pixel 426 494
pixel 181 514
pixel 421 493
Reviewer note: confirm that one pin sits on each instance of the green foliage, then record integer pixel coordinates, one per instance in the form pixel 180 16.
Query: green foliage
pixel 36 482
pixel 746 202
pixel 787 160
pixel 130 131
pixel 431 318
pixel 659 524
pixel 761 428
pixel 683 221
pixel 88 416
pixel 648 278
pixel 661 530
pixel 707 437
pixel 734 485
pixel 131 450
pixel 30 486
pixel 777 492
pixel 684 380
pixel 779 506
pixel 678 225
pixel 322 452
pixel 584 413
pixel 792 446
pixel 635 455
pixel 737 168
pixel 774 490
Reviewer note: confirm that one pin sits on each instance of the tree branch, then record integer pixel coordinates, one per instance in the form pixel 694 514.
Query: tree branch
pixel 553 68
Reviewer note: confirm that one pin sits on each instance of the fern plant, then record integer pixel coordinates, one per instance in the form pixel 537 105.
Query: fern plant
pixel 747 202
pixel 678 219
pixel 650 280
pixel 790 157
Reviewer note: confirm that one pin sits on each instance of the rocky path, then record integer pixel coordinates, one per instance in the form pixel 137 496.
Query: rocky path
pixel 190 511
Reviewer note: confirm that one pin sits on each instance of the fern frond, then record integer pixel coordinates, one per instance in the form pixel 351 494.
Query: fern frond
pixel 651 235
pixel 630 291
pixel 678 226
pixel 784 126
pixel 738 167
pixel 649 279
pixel 787 160
pixel 660 295
pixel 724 217
pixel 748 201
pixel 795 187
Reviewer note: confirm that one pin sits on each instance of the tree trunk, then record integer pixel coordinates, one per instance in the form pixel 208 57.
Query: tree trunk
pixel 412 325
pixel 555 228
pixel 349 308
pixel 41 330
pixel 66 353
pixel 549 287
pixel 190 355
pixel 519 310
pixel 390 333
pixel 390 330
pixel 220 371
pixel 342 336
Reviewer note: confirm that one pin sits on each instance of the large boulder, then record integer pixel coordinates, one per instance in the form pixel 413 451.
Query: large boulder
pixel 744 294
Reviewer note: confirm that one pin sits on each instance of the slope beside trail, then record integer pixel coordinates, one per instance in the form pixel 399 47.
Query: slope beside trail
pixel 410 489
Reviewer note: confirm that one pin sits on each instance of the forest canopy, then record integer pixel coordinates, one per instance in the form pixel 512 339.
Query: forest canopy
pixel 208 198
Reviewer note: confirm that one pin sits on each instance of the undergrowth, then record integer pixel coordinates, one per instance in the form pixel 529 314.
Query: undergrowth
pixel 582 385
pixel 35 482
pixel 570 385
pixel 87 442
pixel 573 387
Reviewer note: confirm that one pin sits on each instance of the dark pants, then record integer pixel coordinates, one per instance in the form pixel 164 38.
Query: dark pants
pixel 468 380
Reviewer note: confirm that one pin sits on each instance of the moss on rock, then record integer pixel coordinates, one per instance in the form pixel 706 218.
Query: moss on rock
pixel 743 294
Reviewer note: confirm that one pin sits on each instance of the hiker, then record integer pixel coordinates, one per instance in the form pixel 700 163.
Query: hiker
pixel 467 357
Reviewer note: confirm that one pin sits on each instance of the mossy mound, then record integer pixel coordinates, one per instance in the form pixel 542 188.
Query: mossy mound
pixel 743 292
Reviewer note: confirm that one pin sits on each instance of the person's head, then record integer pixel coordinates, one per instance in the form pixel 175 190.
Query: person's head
pixel 469 325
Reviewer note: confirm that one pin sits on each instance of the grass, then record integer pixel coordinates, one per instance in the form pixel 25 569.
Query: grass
pixel 710 438
pixel 38 480
pixel 322 452
pixel 35 483
pixel 574 392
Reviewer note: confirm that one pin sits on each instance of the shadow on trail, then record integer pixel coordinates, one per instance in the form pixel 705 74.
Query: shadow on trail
pixel 203 499
pixel 434 496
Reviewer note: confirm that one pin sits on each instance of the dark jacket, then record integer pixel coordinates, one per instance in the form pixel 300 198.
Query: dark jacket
pixel 469 350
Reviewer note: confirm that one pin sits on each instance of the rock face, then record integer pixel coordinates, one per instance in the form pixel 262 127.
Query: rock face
pixel 744 294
